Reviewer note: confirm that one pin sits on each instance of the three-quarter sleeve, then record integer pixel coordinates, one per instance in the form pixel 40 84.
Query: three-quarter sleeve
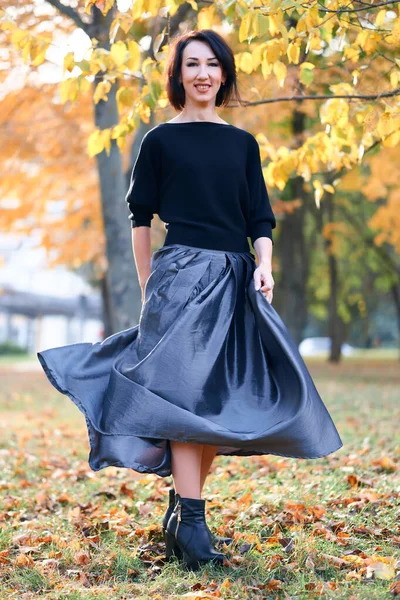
pixel 143 193
pixel 261 218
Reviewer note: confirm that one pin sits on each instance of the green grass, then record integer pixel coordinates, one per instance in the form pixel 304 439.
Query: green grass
pixel 69 533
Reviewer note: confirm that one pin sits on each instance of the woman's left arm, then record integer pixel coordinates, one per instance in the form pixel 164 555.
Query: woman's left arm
pixel 263 273
pixel 261 220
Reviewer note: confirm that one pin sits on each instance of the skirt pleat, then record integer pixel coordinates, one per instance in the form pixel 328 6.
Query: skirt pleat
pixel 209 362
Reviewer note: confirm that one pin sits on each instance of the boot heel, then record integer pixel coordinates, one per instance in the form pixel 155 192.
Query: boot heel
pixel 171 547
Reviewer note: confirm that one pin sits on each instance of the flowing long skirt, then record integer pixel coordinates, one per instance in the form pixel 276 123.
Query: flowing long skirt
pixel 209 362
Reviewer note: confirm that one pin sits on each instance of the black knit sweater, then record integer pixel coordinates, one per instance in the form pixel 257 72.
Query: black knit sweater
pixel 205 182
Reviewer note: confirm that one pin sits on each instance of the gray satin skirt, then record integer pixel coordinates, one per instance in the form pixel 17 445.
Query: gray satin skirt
pixel 209 362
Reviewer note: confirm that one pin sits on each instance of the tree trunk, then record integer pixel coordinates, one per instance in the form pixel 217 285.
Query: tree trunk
pixel 294 268
pixel 396 297
pixel 336 325
pixel 107 316
pixel 123 284
pixel 294 256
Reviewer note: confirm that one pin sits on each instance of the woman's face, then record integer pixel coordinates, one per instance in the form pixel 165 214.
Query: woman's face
pixel 200 66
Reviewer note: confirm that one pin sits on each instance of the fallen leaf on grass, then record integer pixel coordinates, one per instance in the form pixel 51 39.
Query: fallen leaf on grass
pixel 395 588
pixel 310 563
pixel 24 560
pixel 50 563
pixel 384 463
pixel 287 543
pixel 126 491
pixel 356 481
pixel 380 570
pixel 108 495
pixel 82 557
pixel 23 538
pixel 4 556
pixel 338 562
pixel 196 595
pixel 83 579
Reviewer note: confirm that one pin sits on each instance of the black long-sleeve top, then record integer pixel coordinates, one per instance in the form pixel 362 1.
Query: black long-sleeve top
pixel 205 182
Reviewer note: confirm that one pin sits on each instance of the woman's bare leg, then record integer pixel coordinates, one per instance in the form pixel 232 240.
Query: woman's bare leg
pixel 207 458
pixel 190 466
pixel 186 463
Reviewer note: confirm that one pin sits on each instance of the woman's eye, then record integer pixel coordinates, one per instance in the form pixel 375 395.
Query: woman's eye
pixel 211 64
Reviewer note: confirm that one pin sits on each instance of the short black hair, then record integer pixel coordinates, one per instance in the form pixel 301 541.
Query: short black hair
pixel 176 91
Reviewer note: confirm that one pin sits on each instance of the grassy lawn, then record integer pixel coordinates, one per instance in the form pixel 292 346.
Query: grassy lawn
pixel 324 528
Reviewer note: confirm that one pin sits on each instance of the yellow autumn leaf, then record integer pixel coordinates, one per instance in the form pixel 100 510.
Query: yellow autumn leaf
pixel 133 61
pixel 257 55
pixel 335 111
pixel 26 51
pixel 118 52
pixel 19 37
pixel 95 143
pixel 68 89
pixel 69 61
pixel 380 18
pixel 121 143
pixel 246 62
pixel 385 124
pixel 394 79
pixel 125 97
pixel 307 65
pixel 352 53
pixel 293 53
pixel 126 23
pixel 38 49
pixel 119 131
pixel 245 26
pixel 101 91
pixel 395 36
pixel 381 570
pixel 280 71
pixel 6 25
pixel 391 140
pixel 273 25
pixel 103 5
pixel 106 136
pixel 273 51
pixel 318 193
pixel 206 17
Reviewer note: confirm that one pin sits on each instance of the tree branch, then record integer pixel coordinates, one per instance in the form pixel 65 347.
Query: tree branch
pixel 342 10
pixel 395 92
pixel 71 13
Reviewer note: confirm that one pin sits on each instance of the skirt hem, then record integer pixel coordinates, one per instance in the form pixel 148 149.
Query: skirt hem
pixel 137 466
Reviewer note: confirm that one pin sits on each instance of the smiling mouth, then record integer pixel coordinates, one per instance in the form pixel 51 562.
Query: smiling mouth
pixel 203 86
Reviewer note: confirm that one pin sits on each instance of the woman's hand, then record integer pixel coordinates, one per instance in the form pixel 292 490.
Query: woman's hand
pixel 263 279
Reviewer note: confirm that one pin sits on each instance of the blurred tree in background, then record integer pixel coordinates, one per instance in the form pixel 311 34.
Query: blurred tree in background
pixel 330 144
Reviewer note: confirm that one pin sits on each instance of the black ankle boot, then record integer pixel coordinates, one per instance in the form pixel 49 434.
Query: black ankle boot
pixel 215 539
pixel 187 531
pixel 175 550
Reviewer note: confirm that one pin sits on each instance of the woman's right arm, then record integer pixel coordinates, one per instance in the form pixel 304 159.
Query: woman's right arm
pixel 141 246
pixel 143 201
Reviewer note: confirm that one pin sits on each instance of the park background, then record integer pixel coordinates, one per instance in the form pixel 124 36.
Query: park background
pixel 82 82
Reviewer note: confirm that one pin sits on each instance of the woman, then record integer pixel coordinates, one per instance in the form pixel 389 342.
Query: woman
pixel 210 369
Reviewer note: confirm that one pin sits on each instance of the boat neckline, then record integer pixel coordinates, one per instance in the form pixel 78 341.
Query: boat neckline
pixel 196 122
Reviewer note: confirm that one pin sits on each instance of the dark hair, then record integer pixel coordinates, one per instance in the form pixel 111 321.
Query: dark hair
pixel 175 89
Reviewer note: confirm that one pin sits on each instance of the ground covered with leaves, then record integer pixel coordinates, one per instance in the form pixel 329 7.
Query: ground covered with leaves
pixel 324 528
